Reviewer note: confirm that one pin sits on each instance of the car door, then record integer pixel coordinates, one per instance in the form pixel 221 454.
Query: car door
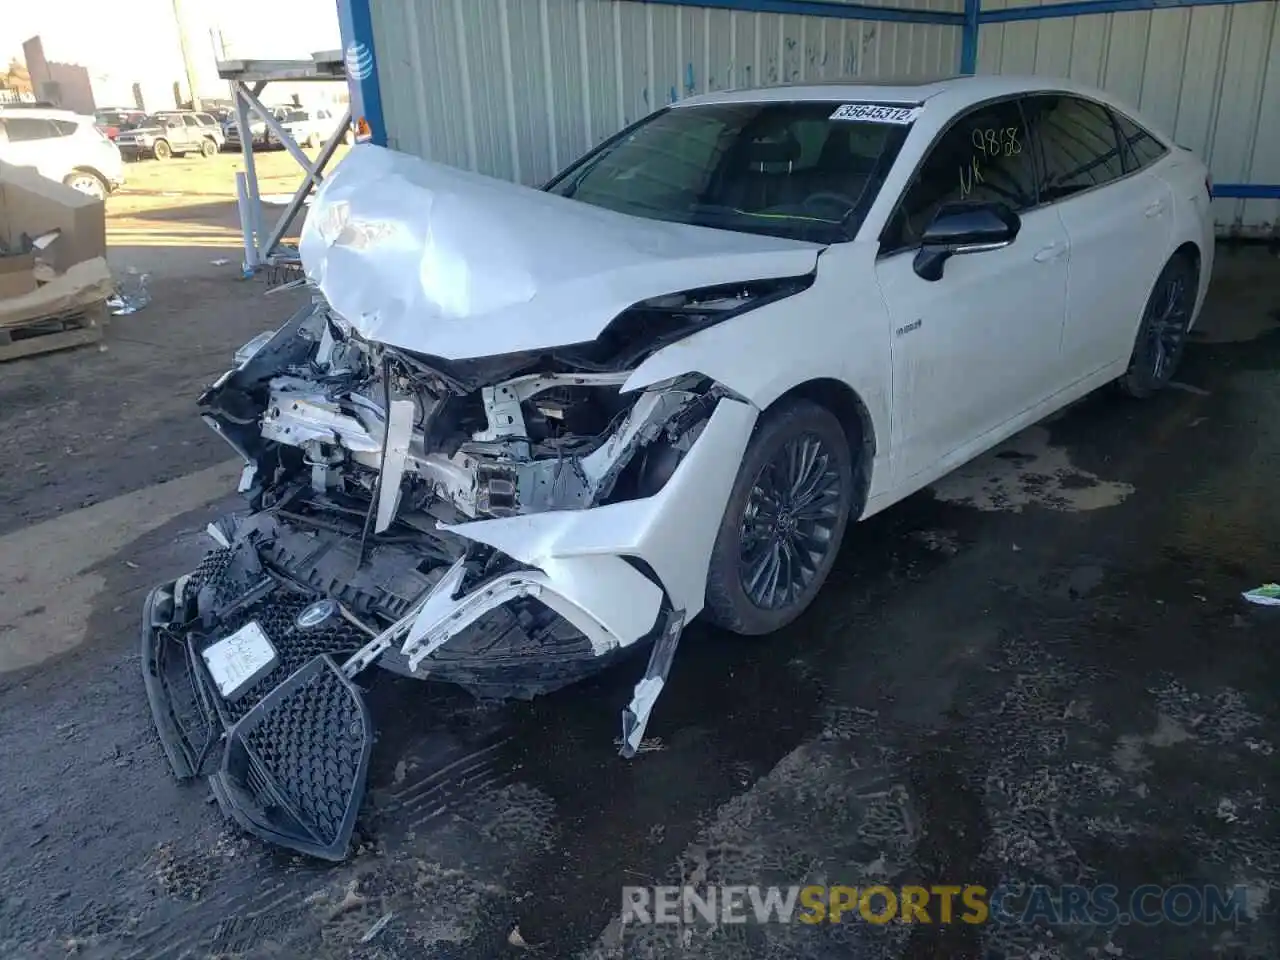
pixel 1119 221
pixel 980 345
pixel 193 132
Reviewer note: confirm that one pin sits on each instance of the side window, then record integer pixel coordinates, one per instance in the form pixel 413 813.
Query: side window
pixel 29 128
pixel 65 128
pixel 983 157
pixel 1141 148
pixel 1079 145
pixel 190 121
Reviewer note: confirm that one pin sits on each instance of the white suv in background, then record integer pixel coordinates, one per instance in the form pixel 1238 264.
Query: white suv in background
pixel 62 146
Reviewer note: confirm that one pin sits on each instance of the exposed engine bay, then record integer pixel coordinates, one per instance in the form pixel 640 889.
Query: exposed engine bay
pixel 500 524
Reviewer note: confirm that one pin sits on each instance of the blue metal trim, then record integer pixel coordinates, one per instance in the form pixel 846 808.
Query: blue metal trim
pixel 355 23
pixel 969 37
pixel 825 8
pixel 1084 8
pixel 1246 191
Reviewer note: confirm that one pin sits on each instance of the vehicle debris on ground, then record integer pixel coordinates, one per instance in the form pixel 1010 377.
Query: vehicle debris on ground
pixel 54 280
pixel 464 503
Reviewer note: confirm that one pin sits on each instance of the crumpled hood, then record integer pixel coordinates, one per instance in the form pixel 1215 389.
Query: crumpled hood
pixel 458 265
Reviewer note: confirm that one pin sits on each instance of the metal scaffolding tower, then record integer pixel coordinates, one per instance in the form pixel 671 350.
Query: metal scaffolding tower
pixel 248 78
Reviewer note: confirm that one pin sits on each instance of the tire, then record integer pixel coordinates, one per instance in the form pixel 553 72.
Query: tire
pixel 88 183
pixel 162 150
pixel 1162 333
pixel 208 149
pixel 752 547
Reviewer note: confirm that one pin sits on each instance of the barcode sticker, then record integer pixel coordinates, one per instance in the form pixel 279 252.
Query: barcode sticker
pixel 875 113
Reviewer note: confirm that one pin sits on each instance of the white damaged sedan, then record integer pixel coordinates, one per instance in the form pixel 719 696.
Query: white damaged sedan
pixel 522 432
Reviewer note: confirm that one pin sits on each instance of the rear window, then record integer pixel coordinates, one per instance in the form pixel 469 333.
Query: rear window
pixel 802 170
pixel 22 129
pixel 1139 148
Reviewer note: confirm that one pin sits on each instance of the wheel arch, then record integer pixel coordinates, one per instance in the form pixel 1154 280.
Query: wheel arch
pixel 89 168
pixel 1191 250
pixel 849 408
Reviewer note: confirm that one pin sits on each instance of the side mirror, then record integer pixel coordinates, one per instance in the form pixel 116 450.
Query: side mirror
pixel 959 228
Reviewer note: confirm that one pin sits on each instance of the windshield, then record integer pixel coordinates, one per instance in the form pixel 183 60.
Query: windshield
pixel 785 169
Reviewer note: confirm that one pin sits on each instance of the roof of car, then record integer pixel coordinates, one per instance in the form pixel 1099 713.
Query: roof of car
pixel 44 113
pixel 967 88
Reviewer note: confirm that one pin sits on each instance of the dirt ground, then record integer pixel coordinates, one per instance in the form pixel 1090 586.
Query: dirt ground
pixel 1039 672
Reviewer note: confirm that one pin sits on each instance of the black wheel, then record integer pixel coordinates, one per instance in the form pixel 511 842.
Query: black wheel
pixel 1162 334
pixel 208 148
pixel 162 150
pixel 784 521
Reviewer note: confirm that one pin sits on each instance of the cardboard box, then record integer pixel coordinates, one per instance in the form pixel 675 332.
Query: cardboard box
pixel 17 275
pixel 33 205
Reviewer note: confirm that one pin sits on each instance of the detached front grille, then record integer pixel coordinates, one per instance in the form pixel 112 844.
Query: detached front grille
pixel 311 745
pixel 277 614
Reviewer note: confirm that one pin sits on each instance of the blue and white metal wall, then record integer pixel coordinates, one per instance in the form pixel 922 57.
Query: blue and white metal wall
pixel 1209 75
pixel 518 88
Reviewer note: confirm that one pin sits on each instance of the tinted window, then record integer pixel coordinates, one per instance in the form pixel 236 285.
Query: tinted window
pixel 983 157
pixel 206 120
pixel 1078 142
pixel 1141 148
pixel 65 127
pixel 190 121
pixel 29 128
pixel 786 169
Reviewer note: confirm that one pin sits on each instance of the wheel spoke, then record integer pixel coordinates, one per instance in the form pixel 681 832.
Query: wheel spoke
pixel 788 523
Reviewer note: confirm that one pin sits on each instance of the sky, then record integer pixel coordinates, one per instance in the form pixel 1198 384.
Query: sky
pixel 138 39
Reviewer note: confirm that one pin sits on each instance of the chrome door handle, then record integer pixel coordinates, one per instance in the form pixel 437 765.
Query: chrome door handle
pixel 1052 252
pixel 1155 209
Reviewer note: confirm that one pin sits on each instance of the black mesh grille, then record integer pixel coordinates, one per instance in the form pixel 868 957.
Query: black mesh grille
pixel 276 616
pixel 310 743
pixel 212 571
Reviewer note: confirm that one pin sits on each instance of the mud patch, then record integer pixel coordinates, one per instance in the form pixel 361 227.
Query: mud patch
pixel 1026 471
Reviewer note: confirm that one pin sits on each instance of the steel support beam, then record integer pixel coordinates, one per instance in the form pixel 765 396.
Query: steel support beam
pixel 825 8
pixel 969 37
pixel 1085 8
pixel 355 23
pixel 313 172
pixel 246 88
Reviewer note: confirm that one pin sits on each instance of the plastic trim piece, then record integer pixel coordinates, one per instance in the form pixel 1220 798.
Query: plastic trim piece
pixel 825 8
pixel 1084 8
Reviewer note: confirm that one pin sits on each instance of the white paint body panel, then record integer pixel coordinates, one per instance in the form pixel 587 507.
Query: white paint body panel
pixel 988 345
pixel 456 265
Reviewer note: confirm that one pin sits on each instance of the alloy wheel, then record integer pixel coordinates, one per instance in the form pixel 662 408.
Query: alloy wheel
pixel 790 519
pixel 1165 326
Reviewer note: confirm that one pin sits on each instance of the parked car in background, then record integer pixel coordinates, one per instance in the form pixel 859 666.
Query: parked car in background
pixel 309 128
pixel 162 135
pixel 62 146
pixel 257 127
pixel 112 120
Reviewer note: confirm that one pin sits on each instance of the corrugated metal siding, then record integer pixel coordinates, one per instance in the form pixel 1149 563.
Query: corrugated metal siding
pixel 519 88
pixel 1208 75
